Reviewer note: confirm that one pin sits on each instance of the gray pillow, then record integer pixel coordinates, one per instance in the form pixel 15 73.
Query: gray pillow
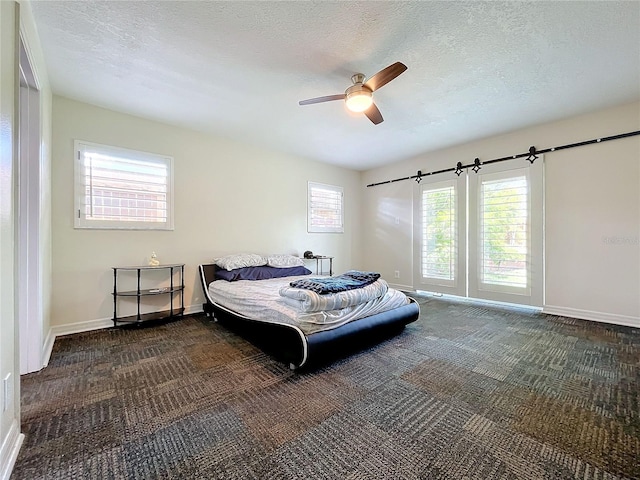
pixel 284 261
pixel 240 260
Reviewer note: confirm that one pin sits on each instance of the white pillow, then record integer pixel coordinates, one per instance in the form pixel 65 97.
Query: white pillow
pixel 240 260
pixel 284 261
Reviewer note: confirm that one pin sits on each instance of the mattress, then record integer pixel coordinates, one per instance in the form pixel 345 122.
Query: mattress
pixel 260 300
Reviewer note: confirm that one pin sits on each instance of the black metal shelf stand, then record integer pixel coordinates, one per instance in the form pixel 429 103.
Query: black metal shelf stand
pixel 171 290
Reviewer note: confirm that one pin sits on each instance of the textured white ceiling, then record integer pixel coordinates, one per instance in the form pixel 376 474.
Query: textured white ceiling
pixel 238 69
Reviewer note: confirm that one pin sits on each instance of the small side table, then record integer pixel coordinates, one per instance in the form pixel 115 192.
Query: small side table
pixel 320 266
pixel 173 289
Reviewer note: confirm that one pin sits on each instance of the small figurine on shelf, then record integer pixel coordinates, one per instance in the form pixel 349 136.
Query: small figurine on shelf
pixel 154 262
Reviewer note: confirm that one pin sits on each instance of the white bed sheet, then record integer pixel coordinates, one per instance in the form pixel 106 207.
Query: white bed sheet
pixel 260 300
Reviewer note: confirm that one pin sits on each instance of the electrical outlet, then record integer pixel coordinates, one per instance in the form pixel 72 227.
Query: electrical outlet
pixel 396 274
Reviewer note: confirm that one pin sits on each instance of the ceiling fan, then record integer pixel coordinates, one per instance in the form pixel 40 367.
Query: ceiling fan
pixel 359 96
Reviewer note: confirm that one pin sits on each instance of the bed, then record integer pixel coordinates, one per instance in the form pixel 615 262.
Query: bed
pixel 321 337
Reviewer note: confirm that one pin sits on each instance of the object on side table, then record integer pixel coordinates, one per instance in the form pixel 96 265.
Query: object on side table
pixel 153 261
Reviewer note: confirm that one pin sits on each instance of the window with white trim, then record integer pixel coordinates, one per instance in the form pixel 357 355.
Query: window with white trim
pixel 439 235
pixel 438 255
pixel 325 208
pixel 504 230
pixel 117 188
pixel 506 233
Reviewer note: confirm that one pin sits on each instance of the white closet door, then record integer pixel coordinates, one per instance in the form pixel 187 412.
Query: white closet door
pixel 505 232
pixel 439 235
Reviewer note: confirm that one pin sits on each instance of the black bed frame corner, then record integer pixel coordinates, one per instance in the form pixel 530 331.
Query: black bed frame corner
pixel 207 275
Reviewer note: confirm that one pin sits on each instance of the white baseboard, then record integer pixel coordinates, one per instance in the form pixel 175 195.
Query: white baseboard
pixel 480 301
pixel 403 288
pixel 87 326
pixel 612 318
pixel 79 327
pixel 47 347
pixel 190 309
pixel 68 329
pixel 9 450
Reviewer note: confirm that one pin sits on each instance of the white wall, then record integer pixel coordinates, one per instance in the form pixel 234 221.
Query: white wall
pixel 592 225
pixel 229 197
pixel 10 419
pixel 14 21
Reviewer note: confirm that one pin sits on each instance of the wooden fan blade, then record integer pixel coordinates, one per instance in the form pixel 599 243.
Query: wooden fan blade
pixel 384 76
pixel 328 98
pixel 374 114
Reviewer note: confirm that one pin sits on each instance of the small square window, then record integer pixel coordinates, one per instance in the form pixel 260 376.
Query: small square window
pixel 325 208
pixel 117 188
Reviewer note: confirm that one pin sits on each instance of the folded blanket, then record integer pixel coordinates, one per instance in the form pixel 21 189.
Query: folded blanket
pixel 307 301
pixel 347 281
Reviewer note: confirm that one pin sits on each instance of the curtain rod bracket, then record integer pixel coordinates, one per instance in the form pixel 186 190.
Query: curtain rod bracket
pixel 476 165
pixel 532 154
pixel 458 169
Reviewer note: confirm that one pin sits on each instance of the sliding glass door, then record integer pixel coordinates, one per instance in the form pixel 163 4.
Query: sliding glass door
pixel 481 234
pixel 506 233
pixel 440 247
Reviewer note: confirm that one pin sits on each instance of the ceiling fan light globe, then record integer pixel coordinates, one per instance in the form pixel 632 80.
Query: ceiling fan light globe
pixel 359 101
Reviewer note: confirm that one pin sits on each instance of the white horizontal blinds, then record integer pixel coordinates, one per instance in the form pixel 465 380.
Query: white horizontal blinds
pixel 438 245
pixel 326 208
pixel 122 189
pixel 504 232
pixel 119 188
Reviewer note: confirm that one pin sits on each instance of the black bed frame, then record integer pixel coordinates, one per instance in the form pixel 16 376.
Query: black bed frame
pixel 289 344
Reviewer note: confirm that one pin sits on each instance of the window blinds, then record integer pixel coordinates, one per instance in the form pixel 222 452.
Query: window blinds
pixel 325 208
pixel 504 231
pixel 122 189
pixel 438 233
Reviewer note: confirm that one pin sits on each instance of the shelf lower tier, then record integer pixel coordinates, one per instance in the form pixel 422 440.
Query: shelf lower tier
pixel 145 317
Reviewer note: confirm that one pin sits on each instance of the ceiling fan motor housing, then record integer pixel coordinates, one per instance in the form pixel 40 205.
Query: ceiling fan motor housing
pixel 357 78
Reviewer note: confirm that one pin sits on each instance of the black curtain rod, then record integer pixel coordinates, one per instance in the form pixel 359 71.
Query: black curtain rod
pixel 531 155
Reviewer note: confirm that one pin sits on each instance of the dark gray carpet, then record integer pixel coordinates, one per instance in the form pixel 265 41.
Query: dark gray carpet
pixel 465 392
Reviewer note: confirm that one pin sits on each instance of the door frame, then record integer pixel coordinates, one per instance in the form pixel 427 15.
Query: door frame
pixel 459 285
pixel 533 295
pixel 29 288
